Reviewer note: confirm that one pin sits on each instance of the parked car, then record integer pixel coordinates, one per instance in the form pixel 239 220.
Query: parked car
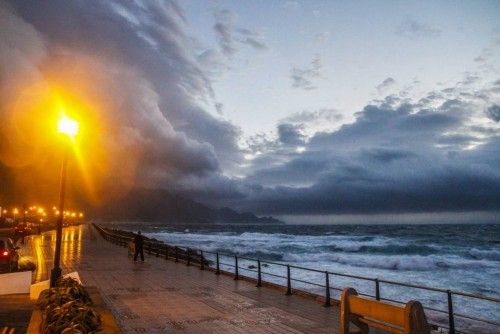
pixel 22 229
pixel 9 257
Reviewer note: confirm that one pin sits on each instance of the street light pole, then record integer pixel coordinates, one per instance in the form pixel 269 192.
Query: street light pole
pixel 69 128
pixel 55 274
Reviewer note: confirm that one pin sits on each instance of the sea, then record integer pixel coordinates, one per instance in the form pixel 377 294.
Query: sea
pixel 464 258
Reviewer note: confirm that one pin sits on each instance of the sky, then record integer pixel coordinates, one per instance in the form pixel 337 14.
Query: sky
pixel 322 111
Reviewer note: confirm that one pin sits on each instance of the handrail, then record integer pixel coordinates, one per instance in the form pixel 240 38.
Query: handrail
pixel 159 247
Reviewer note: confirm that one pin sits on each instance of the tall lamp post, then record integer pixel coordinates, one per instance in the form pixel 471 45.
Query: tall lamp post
pixel 69 128
pixel 15 212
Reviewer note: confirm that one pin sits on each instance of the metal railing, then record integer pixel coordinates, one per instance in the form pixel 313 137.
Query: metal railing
pixel 173 252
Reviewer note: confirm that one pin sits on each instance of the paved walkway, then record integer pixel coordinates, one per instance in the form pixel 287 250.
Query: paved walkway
pixel 15 311
pixel 161 296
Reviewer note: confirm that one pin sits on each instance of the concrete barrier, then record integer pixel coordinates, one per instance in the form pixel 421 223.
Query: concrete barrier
pixel 19 282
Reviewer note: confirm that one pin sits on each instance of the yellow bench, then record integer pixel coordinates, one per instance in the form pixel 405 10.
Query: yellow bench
pixel 365 313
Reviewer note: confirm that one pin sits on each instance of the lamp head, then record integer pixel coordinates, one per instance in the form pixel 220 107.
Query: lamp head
pixel 67 126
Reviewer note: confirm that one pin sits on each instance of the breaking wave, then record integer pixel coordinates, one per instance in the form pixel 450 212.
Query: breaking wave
pixel 402 262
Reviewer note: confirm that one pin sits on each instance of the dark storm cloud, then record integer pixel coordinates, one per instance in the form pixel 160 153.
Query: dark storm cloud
pixel 387 155
pixel 396 157
pixel 493 112
pixel 299 172
pixel 303 78
pixel 144 69
pixel 290 134
pixel 449 190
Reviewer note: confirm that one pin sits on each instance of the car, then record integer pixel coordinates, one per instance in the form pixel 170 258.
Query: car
pixel 22 229
pixel 9 258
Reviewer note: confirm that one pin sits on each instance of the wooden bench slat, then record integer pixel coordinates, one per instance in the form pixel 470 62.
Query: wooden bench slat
pixel 378 310
pixel 382 325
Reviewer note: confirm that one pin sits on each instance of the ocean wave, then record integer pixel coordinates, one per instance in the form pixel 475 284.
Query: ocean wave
pixel 353 250
pixel 491 254
pixel 393 248
pixel 413 263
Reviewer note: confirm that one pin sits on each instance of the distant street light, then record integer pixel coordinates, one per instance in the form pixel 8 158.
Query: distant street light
pixel 69 128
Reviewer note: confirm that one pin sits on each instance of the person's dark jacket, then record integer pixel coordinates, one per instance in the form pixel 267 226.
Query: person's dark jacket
pixel 138 241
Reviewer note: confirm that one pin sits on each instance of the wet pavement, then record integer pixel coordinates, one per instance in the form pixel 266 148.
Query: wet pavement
pixel 160 296
pixel 15 311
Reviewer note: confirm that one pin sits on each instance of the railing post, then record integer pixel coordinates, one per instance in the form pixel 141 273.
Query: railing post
pixel 236 272
pixel 377 289
pixel 217 270
pixel 288 281
pixel 176 254
pixel 327 290
pixel 202 262
pixel 188 263
pixel 259 274
pixel 166 252
pixel 451 319
pixel 157 250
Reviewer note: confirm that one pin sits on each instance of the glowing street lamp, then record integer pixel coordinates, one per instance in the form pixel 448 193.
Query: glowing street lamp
pixel 67 127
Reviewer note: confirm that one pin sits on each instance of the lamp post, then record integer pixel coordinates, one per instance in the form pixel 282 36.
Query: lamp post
pixel 69 128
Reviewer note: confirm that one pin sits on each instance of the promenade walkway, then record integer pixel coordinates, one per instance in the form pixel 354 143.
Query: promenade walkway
pixel 160 296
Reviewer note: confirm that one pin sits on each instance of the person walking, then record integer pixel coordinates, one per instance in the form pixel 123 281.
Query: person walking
pixel 138 243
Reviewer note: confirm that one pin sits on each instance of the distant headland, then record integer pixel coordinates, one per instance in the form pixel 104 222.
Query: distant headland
pixel 156 205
